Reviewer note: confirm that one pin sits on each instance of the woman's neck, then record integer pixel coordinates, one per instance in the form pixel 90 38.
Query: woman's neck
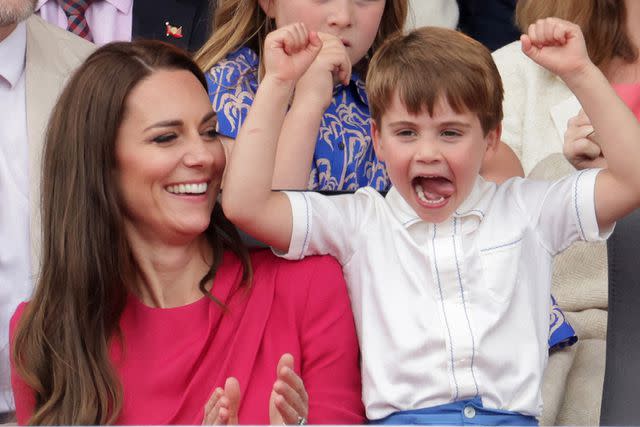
pixel 168 274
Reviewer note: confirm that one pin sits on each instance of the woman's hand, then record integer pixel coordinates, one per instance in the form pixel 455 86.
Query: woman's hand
pixel 580 147
pixel 289 402
pixel 222 407
pixel 289 51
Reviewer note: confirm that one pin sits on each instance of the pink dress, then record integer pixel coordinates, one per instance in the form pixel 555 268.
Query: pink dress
pixel 174 358
pixel 630 94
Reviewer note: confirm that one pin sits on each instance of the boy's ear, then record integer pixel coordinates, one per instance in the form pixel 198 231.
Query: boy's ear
pixel 493 140
pixel 375 137
pixel 268 7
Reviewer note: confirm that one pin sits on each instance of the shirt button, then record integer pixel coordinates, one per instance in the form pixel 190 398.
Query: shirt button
pixel 341 146
pixel 469 411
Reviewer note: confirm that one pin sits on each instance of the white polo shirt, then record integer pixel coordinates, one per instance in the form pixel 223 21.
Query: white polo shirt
pixel 454 310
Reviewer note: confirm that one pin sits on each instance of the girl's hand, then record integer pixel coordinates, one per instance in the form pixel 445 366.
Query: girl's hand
pixel 580 147
pixel 289 402
pixel 222 407
pixel 331 66
pixel 558 46
pixel 288 52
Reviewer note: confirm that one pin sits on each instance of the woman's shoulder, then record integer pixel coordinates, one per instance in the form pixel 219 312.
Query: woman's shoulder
pixel 17 315
pixel 316 274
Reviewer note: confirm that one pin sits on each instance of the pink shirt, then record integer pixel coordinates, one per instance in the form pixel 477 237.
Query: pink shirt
pixel 174 358
pixel 630 94
pixel 109 20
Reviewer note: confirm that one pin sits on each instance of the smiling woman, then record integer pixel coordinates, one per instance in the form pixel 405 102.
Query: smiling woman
pixel 148 309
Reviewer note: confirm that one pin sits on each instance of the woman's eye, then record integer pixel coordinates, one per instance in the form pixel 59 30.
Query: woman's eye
pixel 210 133
pixel 167 137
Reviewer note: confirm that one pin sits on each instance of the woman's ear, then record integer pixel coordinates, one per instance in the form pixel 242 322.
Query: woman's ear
pixel 268 7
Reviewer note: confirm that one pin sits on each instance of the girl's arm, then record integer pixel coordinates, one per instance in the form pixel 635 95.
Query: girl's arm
pixel 313 94
pixel 247 198
pixel 559 46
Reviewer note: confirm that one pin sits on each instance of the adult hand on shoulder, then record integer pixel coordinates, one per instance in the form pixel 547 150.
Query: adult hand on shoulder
pixel 222 407
pixel 289 402
pixel 331 66
pixel 580 145
pixel 288 52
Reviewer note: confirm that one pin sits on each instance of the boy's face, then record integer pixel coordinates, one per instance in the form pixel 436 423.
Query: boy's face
pixel 432 161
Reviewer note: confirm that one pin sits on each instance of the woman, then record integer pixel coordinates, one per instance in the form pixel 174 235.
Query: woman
pixel 147 300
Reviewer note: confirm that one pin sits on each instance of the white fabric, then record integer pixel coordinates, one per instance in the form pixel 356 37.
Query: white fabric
pixel 15 268
pixel 108 20
pixel 532 97
pixel 439 13
pixel 452 310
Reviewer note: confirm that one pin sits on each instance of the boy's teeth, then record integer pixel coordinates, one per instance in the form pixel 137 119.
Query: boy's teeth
pixel 422 197
pixel 188 188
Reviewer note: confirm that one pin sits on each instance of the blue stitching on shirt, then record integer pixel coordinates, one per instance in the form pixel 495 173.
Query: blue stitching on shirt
pixel 575 203
pixel 464 305
pixel 409 220
pixel 471 210
pixel 446 322
pixel 306 235
pixel 501 246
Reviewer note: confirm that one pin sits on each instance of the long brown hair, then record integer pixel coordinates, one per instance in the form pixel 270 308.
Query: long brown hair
pixel 62 340
pixel 603 23
pixel 241 23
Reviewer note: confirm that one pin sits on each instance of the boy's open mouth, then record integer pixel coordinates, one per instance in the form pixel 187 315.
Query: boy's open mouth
pixel 432 189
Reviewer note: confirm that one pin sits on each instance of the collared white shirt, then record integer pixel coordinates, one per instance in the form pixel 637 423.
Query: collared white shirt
pixel 15 262
pixel 109 20
pixel 454 310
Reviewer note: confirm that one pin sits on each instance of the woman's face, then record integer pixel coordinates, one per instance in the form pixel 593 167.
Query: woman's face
pixel 169 161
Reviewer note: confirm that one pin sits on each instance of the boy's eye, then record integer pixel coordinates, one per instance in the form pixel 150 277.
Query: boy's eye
pixel 450 133
pixel 167 137
pixel 406 133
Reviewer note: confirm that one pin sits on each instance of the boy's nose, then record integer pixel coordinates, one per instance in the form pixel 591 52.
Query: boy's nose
pixel 428 152
pixel 341 13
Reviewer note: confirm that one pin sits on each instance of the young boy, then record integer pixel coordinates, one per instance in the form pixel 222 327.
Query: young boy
pixel 449 275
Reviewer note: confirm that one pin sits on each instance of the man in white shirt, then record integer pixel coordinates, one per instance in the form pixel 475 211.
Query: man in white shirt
pixel 35 60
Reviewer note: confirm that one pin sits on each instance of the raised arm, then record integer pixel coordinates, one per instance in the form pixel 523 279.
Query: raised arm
pixel 247 198
pixel 313 94
pixel 559 46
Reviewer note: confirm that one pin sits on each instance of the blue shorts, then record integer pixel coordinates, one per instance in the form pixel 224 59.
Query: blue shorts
pixel 462 412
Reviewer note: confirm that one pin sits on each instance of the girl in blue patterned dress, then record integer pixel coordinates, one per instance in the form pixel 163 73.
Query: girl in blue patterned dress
pixel 326 142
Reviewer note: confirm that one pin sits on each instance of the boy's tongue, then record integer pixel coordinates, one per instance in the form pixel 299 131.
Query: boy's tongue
pixel 435 188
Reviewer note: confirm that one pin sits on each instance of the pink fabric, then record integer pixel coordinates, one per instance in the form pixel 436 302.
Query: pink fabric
pixel 174 358
pixel 630 94
pixel 109 20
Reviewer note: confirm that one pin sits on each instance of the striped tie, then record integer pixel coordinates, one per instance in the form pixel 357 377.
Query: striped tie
pixel 76 22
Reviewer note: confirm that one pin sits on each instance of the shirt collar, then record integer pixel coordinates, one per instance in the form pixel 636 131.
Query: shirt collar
pixel 14 46
pixel 472 210
pixel 124 6
pixel 357 84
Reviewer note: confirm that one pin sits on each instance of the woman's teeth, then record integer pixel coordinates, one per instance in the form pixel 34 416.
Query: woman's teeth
pixel 188 188
pixel 423 198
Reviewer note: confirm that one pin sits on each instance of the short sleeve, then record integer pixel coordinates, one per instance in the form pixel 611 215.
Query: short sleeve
pixel 507 60
pixel 327 224
pixel 232 85
pixel 330 355
pixel 562 211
